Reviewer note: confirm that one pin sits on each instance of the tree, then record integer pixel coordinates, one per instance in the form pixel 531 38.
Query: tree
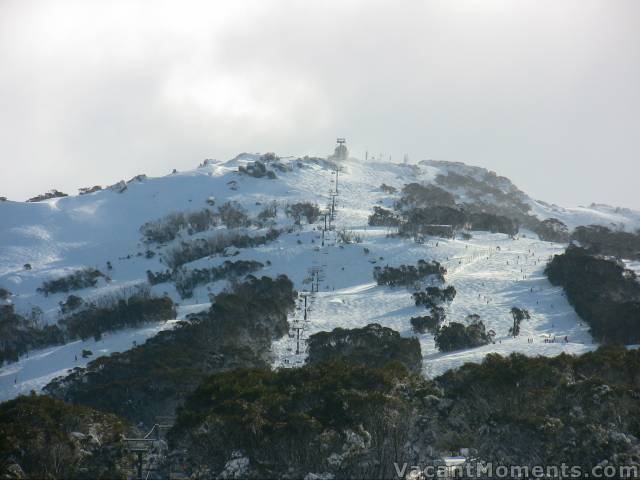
pixel 518 315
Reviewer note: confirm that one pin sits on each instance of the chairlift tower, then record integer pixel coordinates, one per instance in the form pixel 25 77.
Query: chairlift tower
pixel 341 152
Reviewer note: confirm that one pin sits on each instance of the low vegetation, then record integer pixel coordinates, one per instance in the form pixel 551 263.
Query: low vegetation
pixel 84 278
pixel 382 217
pixel 549 230
pixel 20 334
pixel 307 210
pixel 153 378
pixel 187 279
pixel 577 410
pixel 458 336
pixel 168 227
pixel 424 323
pixel 408 275
pixel 41 437
pixel 257 169
pixel 603 240
pixel 233 215
pixel 342 418
pixel 124 309
pixel 415 195
pixel 188 251
pixel 48 195
pixel 373 346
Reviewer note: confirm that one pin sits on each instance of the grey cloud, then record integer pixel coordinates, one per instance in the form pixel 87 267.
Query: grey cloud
pixel 542 91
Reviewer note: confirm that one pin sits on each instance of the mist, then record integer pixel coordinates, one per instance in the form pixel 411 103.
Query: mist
pixel 544 92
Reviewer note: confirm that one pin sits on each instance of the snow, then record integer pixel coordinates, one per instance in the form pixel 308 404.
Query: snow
pixel 61 235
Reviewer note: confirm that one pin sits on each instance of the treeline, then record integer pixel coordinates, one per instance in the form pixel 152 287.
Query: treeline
pixel 44 438
pixel 578 410
pixel 19 334
pixel 188 251
pixel 127 308
pixel 490 193
pixel 422 220
pixel 347 420
pixel 230 214
pixel 372 345
pixel 84 278
pixel 432 210
pixel 153 378
pixel 116 312
pixel 603 240
pixel 186 280
pixel 408 275
pixel 602 292
pixel 340 418
pixel 168 227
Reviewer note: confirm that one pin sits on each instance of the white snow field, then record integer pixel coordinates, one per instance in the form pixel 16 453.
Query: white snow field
pixel 490 272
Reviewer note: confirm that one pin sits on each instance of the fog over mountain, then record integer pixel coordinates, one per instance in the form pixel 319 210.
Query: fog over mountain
pixel 543 92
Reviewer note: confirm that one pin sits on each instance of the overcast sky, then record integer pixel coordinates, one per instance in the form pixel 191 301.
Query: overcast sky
pixel 546 92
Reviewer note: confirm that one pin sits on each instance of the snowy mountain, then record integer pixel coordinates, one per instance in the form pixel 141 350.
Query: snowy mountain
pixel 492 272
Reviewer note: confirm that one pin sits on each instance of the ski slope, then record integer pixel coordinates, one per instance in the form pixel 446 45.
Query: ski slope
pixel 60 235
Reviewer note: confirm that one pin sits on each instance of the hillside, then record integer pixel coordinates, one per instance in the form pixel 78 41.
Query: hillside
pixel 492 272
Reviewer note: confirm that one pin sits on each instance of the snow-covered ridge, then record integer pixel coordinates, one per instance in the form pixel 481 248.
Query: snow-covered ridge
pixel 60 235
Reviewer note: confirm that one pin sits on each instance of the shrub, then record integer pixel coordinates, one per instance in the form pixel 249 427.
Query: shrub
pixel 168 227
pixel 307 210
pixel 424 324
pixel 73 302
pixel 88 190
pixel 48 195
pixel 388 189
pixel 202 247
pixel 349 237
pixel 233 215
pixel 268 213
pixel 187 280
pixel 87 277
pixel 159 277
pixel 256 169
